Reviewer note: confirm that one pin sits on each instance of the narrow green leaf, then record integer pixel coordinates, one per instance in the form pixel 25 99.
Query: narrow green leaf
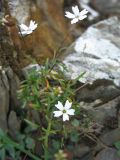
pixel 2 154
pixel 11 150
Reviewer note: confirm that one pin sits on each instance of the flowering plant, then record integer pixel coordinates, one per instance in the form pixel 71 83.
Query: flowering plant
pixel 37 93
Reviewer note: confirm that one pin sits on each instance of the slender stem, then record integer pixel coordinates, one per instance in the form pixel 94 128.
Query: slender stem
pixel 47 134
pixel 64 135
pixel 81 87
pixel 46 140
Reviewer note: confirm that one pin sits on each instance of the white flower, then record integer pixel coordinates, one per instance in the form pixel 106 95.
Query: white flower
pixel 64 111
pixel 76 15
pixel 25 30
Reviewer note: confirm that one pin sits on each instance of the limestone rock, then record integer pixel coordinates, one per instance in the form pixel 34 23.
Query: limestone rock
pixel 111 137
pixel 81 150
pixel 101 90
pixel 106 113
pixel 8 95
pixel 107 154
pixel 4 100
pixel 14 84
pixel 107 7
pixel 97 53
pixel 14 124
pixel 27 70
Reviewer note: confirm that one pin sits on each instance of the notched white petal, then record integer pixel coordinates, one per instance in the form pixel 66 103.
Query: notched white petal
pixel 71 112
pixel 23 27
pixel 29 31
pixel 68 104
pixel 59 105
pixel 32 25
pixel 35 26
pixel 57 113
pixel 75 10
pixel 69 15
pixel 83 12
pixel 65 117
pixel 75 20
pixel 23 33
pixel 82 17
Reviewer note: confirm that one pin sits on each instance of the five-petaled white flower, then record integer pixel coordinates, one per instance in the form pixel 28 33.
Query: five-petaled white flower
pixel 64 111
pixel 76 15
pixel 25 30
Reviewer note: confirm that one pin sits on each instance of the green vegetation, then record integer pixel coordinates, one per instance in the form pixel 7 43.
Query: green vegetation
pixel 40 92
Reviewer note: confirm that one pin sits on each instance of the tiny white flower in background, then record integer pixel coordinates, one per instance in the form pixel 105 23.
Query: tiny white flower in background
pixel 64 111
pixel 76 15
pixel 25 30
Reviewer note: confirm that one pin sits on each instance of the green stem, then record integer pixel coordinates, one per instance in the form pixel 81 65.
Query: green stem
pixel 64 131
pixel 64 136
pixel 46 140
pixel 47 134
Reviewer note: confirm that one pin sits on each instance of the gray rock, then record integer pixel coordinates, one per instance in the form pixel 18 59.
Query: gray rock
pixel 107 7
pixel 96 52
pixel 111 137
pixel 27 70
pixel 88 156
pixel 81 150
pixel 19 9
pixel 119 118
pixel 92 13
pixel 8 95
pixel 100 90
pixel 14 84
pixel 107 154
pixel 14 124
pixel 4 100
pixel 105 112
pixel 90 105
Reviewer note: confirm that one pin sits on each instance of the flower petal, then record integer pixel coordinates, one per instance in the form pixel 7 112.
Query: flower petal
pixel 29 31
pixel 67 105
pixel 59 106
pixel 35 26
pixel 82 17
pixel 70 112
pixel 57 113
pixel 32 25
pixel 69 15
pixel 23 27
pixel 75 20
pixel 75 10
pixel 65 117
pixel 83 12
pixel 23 33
